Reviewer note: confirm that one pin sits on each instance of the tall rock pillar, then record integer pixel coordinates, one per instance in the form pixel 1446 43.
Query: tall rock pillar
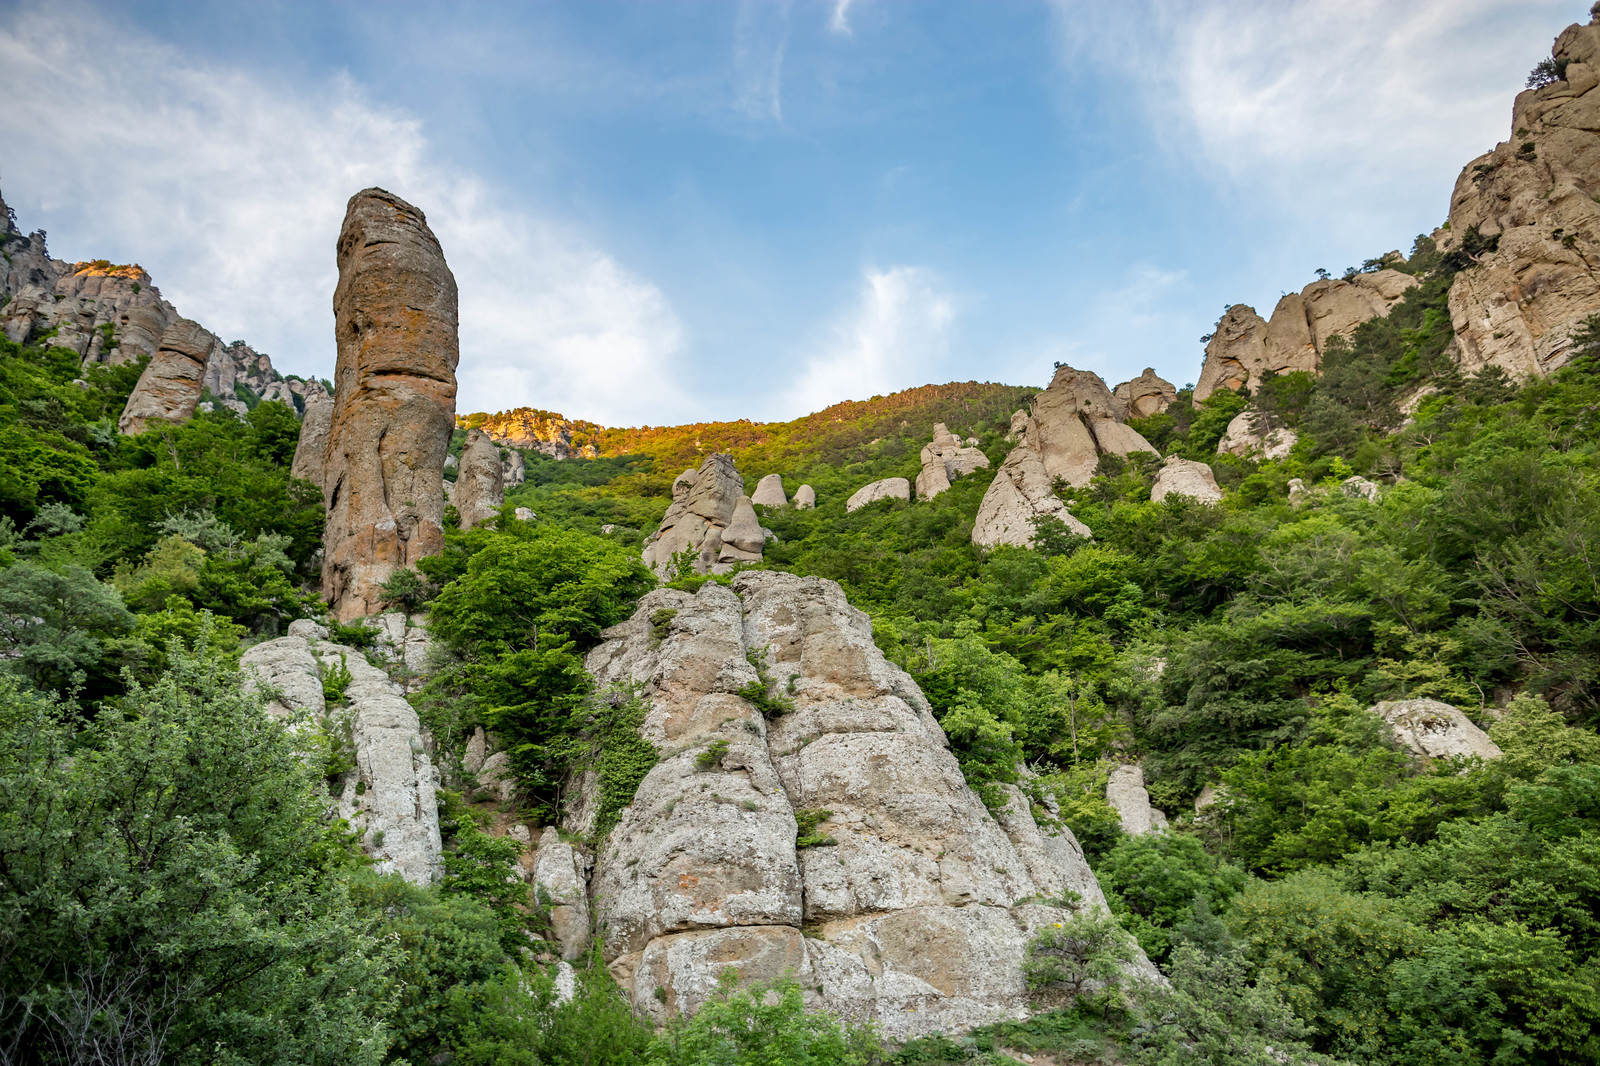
pixel 395 320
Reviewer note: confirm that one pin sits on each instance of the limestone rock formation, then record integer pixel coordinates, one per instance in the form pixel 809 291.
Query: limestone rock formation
pixel 1246 349
pixel 479 488
pixel 1250 434
pixel 1125 794
pixel 705 504
pixel 311 449
pixel 917 901
pixel 1072 422
pixel 514 468
pixel 1525 212
pixel 538 431
pixel 394 406
pixel 890 488
pixel 111 314
pixel 1146 395
pixel 169 388
pixel 1435 730
pixel 805 498
pixel 944 460
pixel 769 492
pixel 389 798
pixel 1360 488
pixel 1020 494
pixel 558 875
pixel 1185 477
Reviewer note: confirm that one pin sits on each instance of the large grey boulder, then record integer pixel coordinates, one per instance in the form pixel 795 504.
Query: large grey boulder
pixel 1250 434
pixel 805 498
pixel 1185 477
pixel 890 488
pixel 169 388
pixel 1146 395
pixel 310 450
pixel 705 503
pixel 559 882
pixel 917 901
pixel 1126 794
pixel 1020 494
pixel 285 671
pixel 1435 730
pixel 769 492
pixel 944 459
pixel 479 488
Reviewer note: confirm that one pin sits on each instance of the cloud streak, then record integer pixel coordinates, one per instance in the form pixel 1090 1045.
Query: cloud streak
pixel 897 336
pixel 230 189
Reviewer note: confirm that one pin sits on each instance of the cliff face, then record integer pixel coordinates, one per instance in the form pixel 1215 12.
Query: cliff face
pixel 1533 199
pixel 1247 348
pixel 915 902
pixel 112 314
pixel 537 431
pixel 395 321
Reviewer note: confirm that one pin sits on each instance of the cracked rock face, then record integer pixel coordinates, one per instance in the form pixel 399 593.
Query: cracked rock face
pixel 711 518
pixel 1246 349
pixel 479 487
pixel 910 904
pixel 1146 395
pixel 1185 477
pixel 389 798
pixel 1126 794
pixel 1073 422
pixel 395 322
pixel 1250 434
pixel 1435 730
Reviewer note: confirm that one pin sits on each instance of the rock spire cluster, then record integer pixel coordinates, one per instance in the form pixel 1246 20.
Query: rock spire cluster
pixel 395 321
pixel 711 518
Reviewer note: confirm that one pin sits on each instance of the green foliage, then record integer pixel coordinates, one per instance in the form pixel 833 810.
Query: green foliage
pixel 485 868
pixel 806 820
pixel 335 680
pixel 357 634
pixel 56 627
pixel 1083 957
pixel 711 757
pixel 1153 881
pixel 407 590
pixel 761 1025
pixel 759 693
pixel 169 884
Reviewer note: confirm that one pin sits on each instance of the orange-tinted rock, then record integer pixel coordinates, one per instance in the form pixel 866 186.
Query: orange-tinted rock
pixel 395 321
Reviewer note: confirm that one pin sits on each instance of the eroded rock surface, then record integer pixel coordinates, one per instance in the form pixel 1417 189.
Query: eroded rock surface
pixel 1251 434
pixel 1246 349
pixel 1146 395
pixel 1073 422
pixel 944 459
pixel 1185 477
pixel 889 488
pixel 169 388
pixel 705 504
pixel 480 489
pixel 1126 794
pixel 1435 730
pixel 1533 199
pixel 310 452
pixel 769 492
pixel 395 323
pixel 389 798
pixel 918 901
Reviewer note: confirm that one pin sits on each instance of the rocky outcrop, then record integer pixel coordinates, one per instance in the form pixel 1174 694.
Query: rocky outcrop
pixel 1526 215
pixel 559 883
pixel 169 387
pixel 389 796
pixel 395 319
pixel 111 314
pixel 1072 423
pixel 1435 730
pixel 1126 794
pixel 705 504
pixel 544 432
pixel 1185 477
pixel 1020 494
pixel 514 468
pixel 310 451
pixel 917 902
pixel 1252 434
pixel 769 492
pixel 1360 488
pixel 479 489
pixel 944 460
pixel 889 488
pixel 1245 349
pixel 805 498
pixel 1146 394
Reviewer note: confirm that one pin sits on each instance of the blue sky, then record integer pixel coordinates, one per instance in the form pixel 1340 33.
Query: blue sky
pixel 668 211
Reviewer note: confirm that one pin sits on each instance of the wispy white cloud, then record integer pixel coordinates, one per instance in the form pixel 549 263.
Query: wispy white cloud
pixel 897 336
pixel 839 20
pixel 760 35
pixel 1274 98
pixel 229 188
